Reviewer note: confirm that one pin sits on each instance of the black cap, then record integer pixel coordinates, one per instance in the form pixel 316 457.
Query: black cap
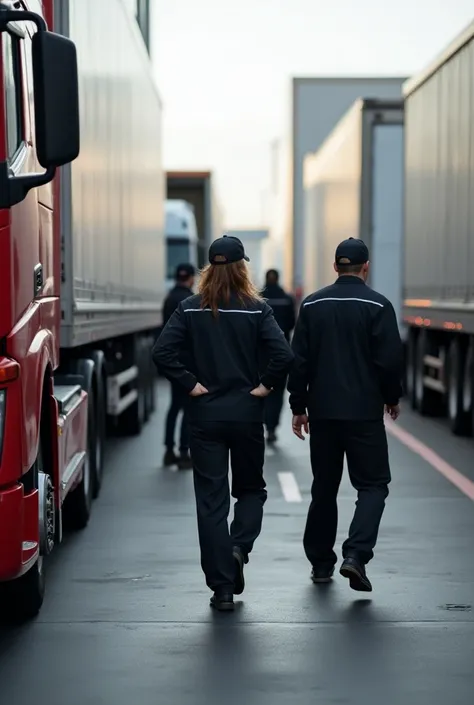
pixel 352 251
pixel 227 249
pixel 184 271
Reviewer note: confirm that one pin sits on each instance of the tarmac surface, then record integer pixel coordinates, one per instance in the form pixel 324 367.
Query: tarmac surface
pixel 126 619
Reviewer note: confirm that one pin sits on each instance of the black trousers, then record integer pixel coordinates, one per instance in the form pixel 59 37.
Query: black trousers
pixel 179 399
pixel 211 444
pixel 365 445
pixel 273 407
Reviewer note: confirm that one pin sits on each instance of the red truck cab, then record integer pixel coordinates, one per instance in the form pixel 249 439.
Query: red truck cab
pixel 43 419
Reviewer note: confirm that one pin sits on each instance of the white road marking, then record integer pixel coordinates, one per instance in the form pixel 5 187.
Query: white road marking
pixel 289 487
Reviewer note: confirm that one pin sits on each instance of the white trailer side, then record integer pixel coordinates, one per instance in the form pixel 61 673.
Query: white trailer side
pixel 112 196
pixel 318 103
pixel 439 223
pixel 354 188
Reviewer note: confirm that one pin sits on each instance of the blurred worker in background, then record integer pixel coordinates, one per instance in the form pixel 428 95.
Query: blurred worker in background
pixel 348 366
pixel 283 307
pixel 182 289
pixel 222 329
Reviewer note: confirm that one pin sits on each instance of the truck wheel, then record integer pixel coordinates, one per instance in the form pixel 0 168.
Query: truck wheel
pixel 77 507
pixel 150 382
pixel 97 453
pixel 78 504
pixel 459 420
pixel 411 369
pixel 150 398
pixel 428 401
pixel 132 420
pixel 22 599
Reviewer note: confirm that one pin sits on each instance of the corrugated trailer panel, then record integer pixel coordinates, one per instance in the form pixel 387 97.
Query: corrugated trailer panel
pixel 112 210
pixel 439 251
pixel 439 205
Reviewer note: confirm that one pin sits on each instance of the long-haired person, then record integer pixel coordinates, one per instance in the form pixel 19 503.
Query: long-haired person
pixel 222 329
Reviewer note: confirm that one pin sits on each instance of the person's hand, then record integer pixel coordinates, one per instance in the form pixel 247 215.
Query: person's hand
pixel 260 391
pixel 198 391
pixel 393 411
pixel 299 423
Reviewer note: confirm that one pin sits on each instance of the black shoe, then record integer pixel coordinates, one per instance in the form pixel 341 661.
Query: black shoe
pixel 322 574
pixel 170 459
pixel 271 437
pixel 355 572
pixel 223 602
pixel 185 462
pixel 239 560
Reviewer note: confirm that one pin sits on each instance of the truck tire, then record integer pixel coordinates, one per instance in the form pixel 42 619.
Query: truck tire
pixel 150 381
pixel 459 419
pixel 22 599
pixel 97 456
pixel 150 399
pixel 428 401
pixel 132 420
pixel 91 370
pixel 410 369
pixel 78 504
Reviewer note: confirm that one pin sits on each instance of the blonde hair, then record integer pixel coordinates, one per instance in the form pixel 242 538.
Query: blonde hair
pixel 219 282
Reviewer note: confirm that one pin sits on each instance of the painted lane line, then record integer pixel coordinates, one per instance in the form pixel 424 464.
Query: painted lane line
pixel 456 478
pixel 289 487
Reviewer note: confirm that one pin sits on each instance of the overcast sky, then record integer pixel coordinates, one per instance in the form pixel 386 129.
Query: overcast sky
pixel 223 68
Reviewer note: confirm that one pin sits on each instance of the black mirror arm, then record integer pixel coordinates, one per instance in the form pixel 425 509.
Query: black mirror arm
pixel 7 16
pixel 13 189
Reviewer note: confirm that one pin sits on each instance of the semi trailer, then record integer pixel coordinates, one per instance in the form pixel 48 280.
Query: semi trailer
pixel 81 267
pixel 317 105
pixel 354 188
pixel 181 237
pixel 439 223
pixel 197 188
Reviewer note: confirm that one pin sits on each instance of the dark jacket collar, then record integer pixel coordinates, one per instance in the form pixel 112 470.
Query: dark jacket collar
pixel 349 279
pixel 274 289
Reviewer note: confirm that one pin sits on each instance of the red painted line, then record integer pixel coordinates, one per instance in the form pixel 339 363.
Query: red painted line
pixel 454 476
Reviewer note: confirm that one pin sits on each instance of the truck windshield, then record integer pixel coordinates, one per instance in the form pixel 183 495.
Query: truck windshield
pixel 177 253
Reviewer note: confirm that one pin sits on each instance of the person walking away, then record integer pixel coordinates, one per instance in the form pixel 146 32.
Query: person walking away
pixel 184 282
pixel 222 328
pixel 348 367
pixel 283 307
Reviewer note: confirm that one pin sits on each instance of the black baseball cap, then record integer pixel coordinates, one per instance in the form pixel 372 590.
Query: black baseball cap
pixel 226 250
pixel 352 251
pixel 184 271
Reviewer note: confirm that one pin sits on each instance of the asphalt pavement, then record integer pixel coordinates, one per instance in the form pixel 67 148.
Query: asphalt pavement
pixel 126 620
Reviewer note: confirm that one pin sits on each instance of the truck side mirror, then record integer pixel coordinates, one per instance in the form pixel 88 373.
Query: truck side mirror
pixel 56 97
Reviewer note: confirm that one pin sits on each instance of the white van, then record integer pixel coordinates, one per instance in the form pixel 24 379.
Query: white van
pixel 181 237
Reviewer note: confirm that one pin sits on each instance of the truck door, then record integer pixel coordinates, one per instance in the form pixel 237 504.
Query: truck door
pixel 20 159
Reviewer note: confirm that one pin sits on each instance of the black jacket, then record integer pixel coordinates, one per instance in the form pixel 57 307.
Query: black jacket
pixel 177 294
pixel 348 354
pixel 224 357
pixel 283 307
